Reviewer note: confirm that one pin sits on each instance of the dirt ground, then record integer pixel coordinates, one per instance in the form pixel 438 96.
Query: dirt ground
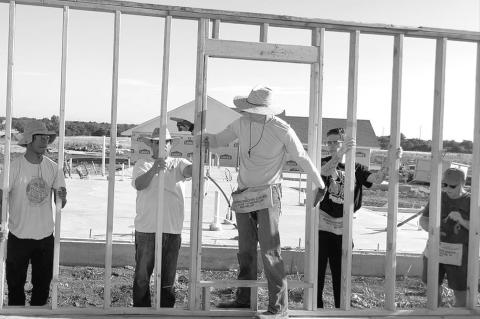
pixel 82 287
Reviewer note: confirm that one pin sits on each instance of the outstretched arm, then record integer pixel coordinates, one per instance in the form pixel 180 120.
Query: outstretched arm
pixel 381 175
pixel 295 148
pixel 329 167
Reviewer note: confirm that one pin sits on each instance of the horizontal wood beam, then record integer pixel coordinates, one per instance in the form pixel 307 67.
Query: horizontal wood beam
pixel 250 283
pixel 261 51
pixel 272 20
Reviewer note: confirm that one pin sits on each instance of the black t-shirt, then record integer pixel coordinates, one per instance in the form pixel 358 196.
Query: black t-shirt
pixel 332 203
pixel 451 231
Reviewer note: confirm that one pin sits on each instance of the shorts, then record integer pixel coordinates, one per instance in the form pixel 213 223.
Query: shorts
pixel 456 275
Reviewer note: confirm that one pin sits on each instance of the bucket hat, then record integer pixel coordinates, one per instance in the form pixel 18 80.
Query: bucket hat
pixel 33 128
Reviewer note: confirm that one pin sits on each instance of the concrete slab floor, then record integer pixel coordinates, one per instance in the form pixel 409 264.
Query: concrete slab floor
pixel 85 215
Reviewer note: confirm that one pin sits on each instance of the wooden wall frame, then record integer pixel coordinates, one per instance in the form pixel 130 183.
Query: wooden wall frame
pixel 214 47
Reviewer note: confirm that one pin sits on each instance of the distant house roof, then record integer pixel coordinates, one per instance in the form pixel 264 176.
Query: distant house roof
pixel 218 116
pixel 365 134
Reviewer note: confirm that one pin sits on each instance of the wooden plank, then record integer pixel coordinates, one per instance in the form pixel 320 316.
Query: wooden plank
pixel 198 166
pixel 216 29
pixel 250 283
pixel 206 298
pixel 436 173
pixel 261 51
pixel 394 164
pixel 61 151
pixel 111 164
pixel 314 151
pixel 162 153
pixel 8 142
pixel 98 313
pixel 318 156
pixel 254 18
pixel 474 232
pixel 264 32
pixel 351 132
pixel 254 298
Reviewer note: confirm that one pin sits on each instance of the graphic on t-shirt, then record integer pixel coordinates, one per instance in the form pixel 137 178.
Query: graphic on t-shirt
pixel 37 191
pixel 336 188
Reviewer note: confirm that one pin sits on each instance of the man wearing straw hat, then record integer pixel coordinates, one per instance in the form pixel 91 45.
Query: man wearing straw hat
pixel 264 142
pixel 33 179
pixel 145 181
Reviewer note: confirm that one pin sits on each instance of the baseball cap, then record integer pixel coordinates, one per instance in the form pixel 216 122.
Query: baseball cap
pixel 453 176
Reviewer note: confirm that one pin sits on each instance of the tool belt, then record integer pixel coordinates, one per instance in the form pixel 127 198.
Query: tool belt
pixel 252 199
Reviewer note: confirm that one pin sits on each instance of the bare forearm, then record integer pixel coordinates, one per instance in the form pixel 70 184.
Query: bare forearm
pixel 377 177
pixel 332 164
pixel 143 181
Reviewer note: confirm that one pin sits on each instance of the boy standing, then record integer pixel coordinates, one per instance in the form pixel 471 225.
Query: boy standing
pixel 330 226
pixel 33 179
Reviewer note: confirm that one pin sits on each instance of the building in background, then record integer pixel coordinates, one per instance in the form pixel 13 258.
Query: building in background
pixel 220 115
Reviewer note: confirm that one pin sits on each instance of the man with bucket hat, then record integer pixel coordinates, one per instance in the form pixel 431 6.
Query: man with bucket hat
pixel 145 181
pixel 264 141
pixel 33 179
pixel 454 228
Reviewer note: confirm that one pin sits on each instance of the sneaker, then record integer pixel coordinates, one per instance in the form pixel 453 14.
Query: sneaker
pixel 271 315
pixel 233 304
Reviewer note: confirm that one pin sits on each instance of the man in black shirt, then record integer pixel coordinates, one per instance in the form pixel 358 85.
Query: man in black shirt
pixel 331 207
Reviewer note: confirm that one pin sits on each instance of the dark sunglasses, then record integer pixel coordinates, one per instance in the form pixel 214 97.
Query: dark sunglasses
pixel 334 142
pixel 444 185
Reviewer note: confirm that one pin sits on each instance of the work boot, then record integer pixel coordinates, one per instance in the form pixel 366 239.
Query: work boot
pixel 271 315
pixel 233 304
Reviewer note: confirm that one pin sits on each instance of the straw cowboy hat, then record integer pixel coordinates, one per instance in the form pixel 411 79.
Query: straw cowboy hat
pixel 33 128
pixel 156 135
pixel 259 101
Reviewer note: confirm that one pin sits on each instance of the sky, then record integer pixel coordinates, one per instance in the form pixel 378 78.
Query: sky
pixel 90 46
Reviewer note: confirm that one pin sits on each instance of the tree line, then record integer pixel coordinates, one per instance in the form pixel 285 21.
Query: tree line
pixel 72 128
pixel 416 144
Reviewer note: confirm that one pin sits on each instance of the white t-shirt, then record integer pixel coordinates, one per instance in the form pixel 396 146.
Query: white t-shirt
pixel 267 144
pixel 147 199
pixel 30 199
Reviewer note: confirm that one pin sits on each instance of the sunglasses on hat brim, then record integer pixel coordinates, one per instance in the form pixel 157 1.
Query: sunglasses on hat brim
pixel 157 142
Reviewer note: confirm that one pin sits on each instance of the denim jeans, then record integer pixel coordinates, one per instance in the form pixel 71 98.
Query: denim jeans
pixel 262 227
pixel 20 252
pixel 145 262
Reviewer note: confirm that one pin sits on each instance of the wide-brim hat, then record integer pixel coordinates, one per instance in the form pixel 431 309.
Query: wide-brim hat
pixel 36 127
pixel 259 101
pixel 156 135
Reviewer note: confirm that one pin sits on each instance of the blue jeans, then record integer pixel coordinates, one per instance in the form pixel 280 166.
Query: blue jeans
pixel 20 252
pixel 262 227
pixel 145 262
